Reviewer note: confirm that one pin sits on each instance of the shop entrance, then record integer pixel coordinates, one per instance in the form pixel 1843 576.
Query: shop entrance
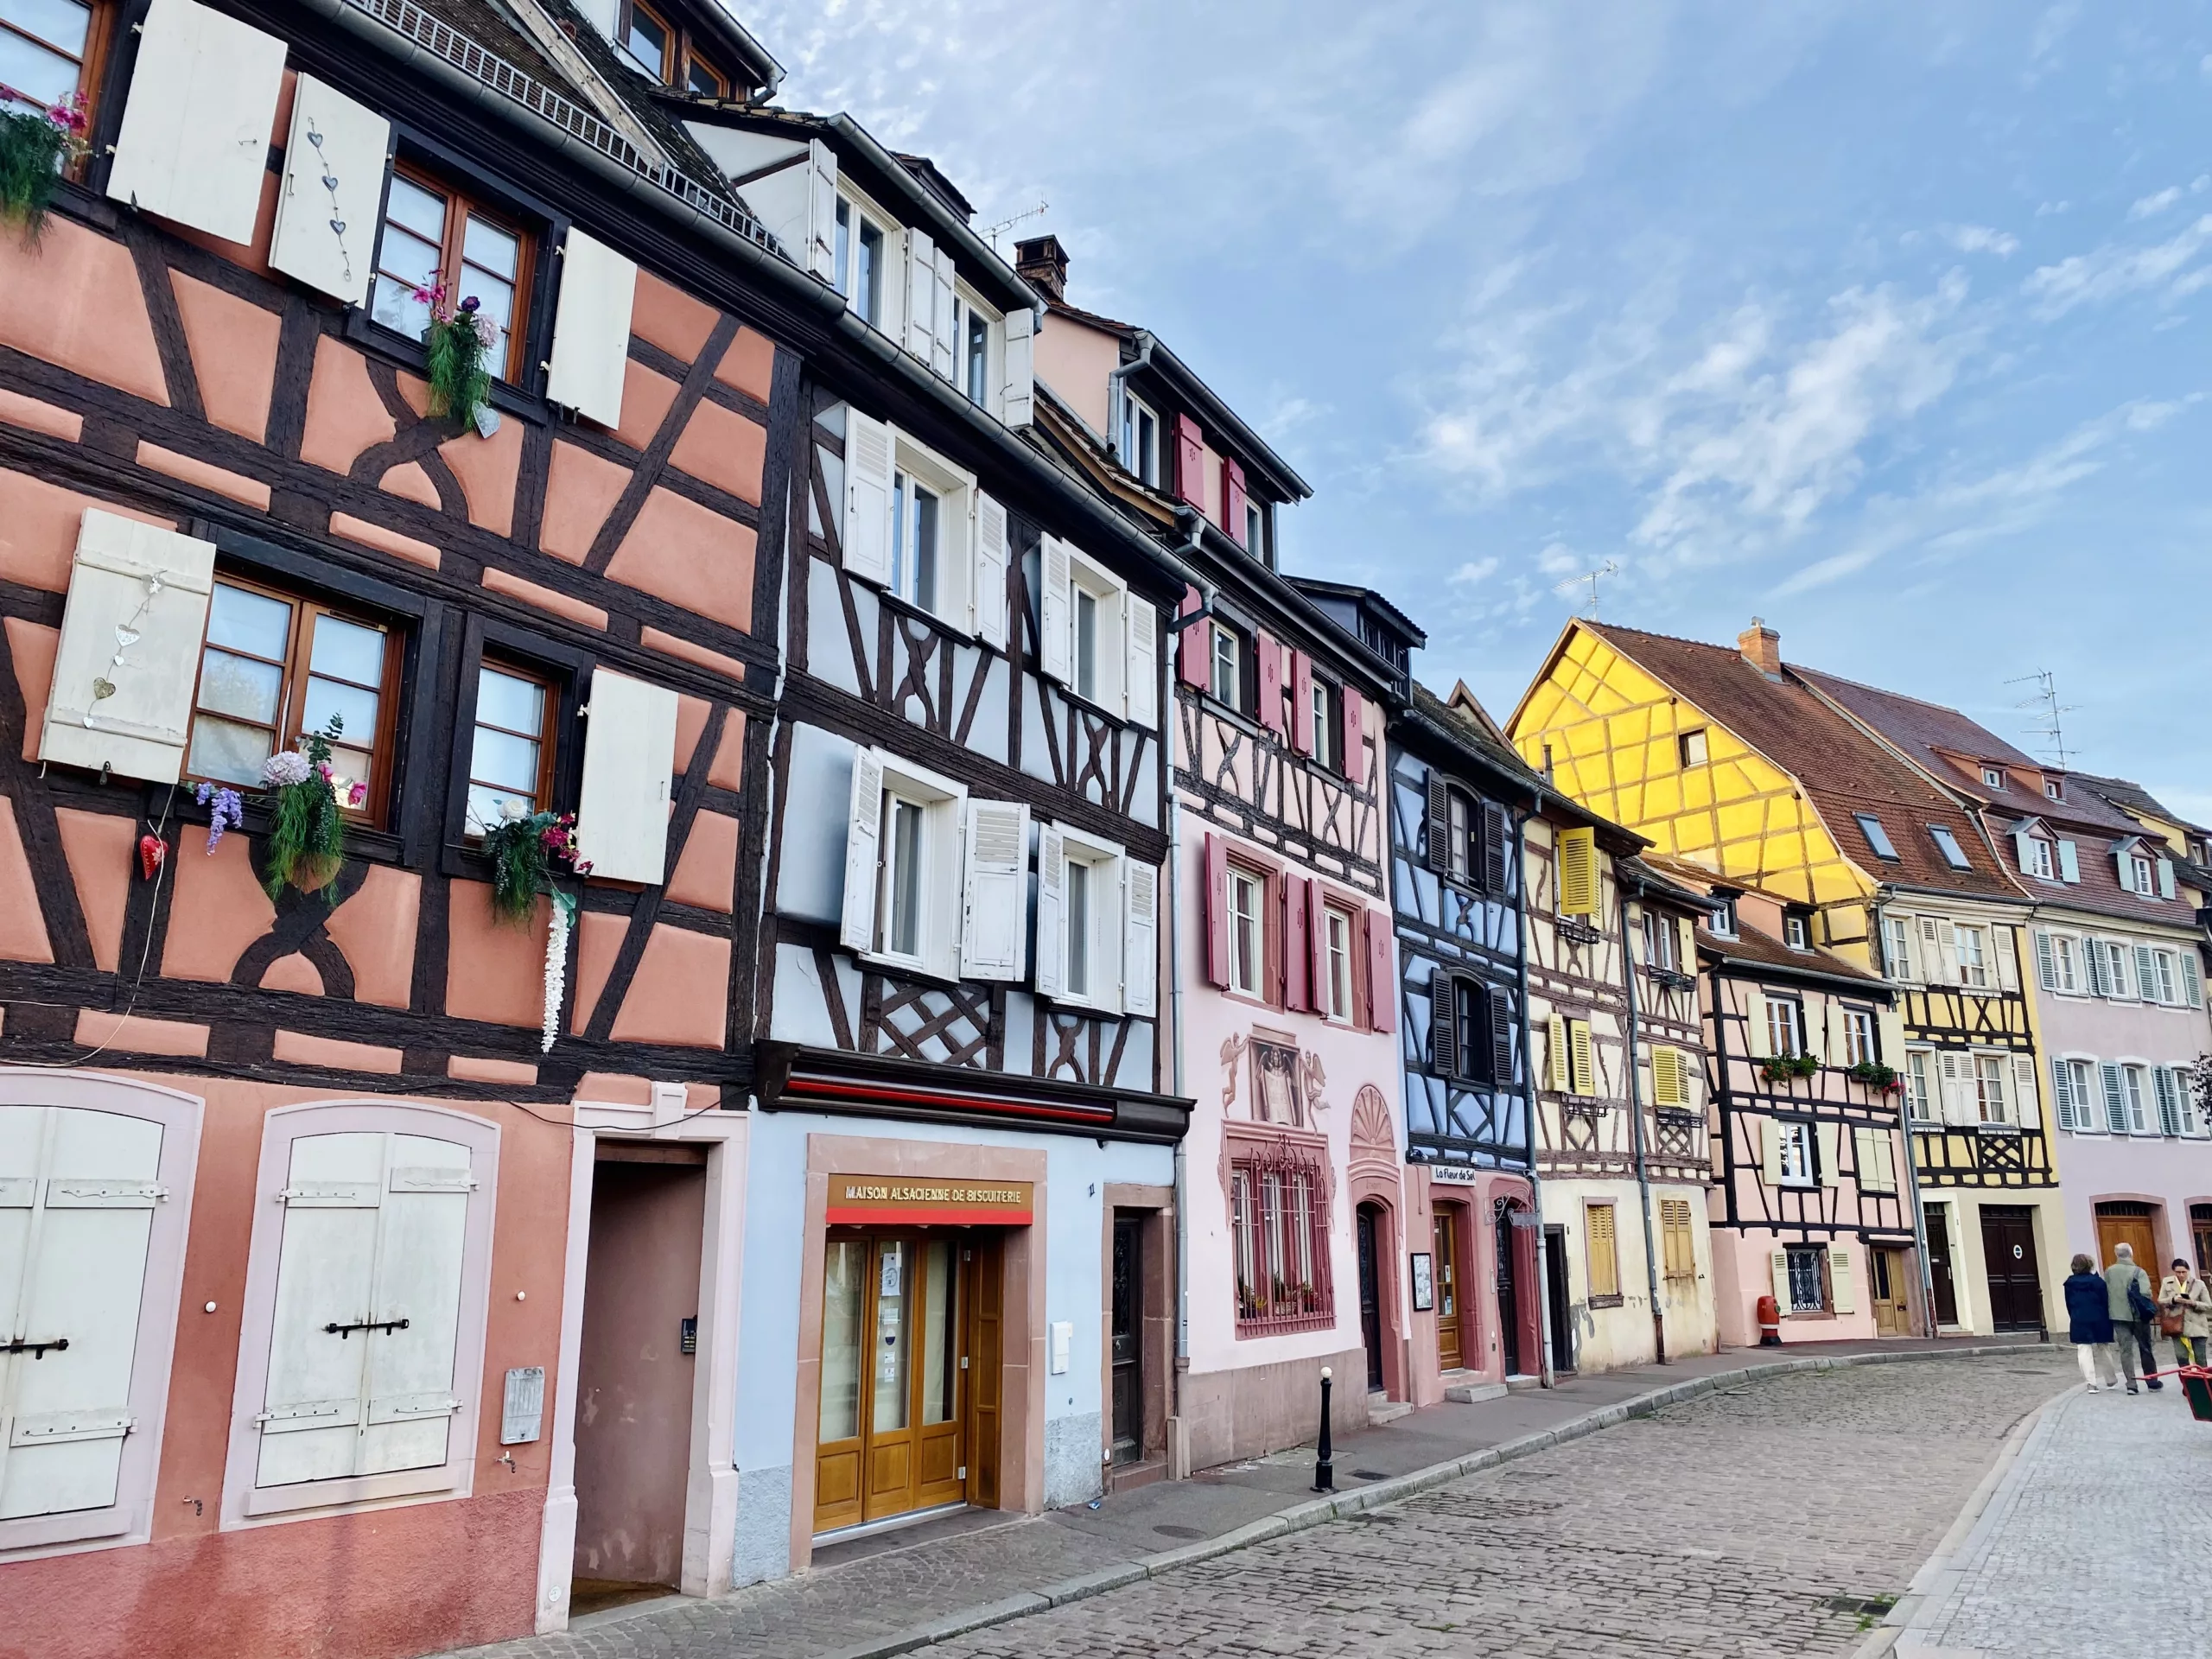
pixel 1447 1270
pixel 1370 1295
pixel 910 1373
pixel 1886 1274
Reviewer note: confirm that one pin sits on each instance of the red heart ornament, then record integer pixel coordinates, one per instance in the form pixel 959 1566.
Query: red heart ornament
pixel 151 851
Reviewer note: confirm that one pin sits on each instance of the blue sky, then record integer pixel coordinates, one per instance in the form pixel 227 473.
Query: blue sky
pixel 1886 322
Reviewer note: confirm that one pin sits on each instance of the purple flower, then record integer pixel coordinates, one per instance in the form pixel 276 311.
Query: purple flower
pixel 225 810
pixel 470 304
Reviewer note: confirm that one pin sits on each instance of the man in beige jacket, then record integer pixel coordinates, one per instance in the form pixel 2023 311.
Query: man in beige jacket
pixel 2127 1322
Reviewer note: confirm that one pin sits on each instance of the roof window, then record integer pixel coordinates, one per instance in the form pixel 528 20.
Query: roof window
pixel 1877 837
pixel 1993 777
pixel 1947 844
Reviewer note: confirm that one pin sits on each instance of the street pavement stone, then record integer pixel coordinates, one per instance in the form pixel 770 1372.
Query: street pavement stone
pixel 2095 1543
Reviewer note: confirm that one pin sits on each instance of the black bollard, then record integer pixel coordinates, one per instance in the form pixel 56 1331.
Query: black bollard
pixel 1324 1473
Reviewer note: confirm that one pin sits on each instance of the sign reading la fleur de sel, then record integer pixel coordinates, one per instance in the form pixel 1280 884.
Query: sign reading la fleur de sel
pixel 893 1200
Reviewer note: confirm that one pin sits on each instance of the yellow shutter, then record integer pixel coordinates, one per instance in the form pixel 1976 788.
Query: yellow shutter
pixel 1666 1076
pixel 1555 1067
pixel 1605 1258
pixel 1840 1298
pixel 1771 1152
pixel 1578 872
pixel 1582 1077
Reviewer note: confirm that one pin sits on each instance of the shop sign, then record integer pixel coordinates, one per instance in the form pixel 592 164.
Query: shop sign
pixel 1455 1174
pixel 904 1200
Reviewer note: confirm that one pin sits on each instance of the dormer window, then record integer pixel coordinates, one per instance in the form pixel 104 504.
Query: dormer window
pixel 1993 778
pixel 2054 790
pixel 650 42
pixel 1947 844
pixel 1723 924
pixel 2034 857
pixel 703 79
pixel 2143 881
pixel 1796 933
pixel 1140 440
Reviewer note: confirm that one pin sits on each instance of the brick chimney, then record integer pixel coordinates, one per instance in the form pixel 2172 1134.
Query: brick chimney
pixel 1762 648
pixel 1042 262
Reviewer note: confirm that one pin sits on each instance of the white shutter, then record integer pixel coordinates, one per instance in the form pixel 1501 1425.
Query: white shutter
pixel 2121 872
pixel 2165 878
pixel 2024 850
pixel 1771 1152
pixel 921 295
pixel 409 1372
pixel 997 891
pixel 1017 397
pixel 629 763
pixel 328 200
pixel 944 351
pixel 867 534
pixel 1053 608
pixel 2146 974
pixel 1140 627
pixel 591 329
pixel 77 1194
pixel 1935 966
pixel 2008 958
pixel 1947 947
pixel 1886 1157
pixel 1052 911
pixel 195 133
pixel 1140 938
pixel 2046 962
pixel 1960 1106
pixel 1829 1138
pixel 1841 1298
pixel 987 592
pixel 2115 1098
pixel 1779 1264
pixel 130 651
pixel 2069 862
pixel 2025 1112
pixel 821 210
pixel 1755 1033
pixel 1888 1032
pixel 863 856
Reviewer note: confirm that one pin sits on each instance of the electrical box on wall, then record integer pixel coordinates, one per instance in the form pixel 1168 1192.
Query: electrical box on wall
pixel 1063 1335
pixel 522 1410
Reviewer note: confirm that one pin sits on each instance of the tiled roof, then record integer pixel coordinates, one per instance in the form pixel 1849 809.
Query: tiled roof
pixel 1843 769
pixel 2133 797
pixel 1752 948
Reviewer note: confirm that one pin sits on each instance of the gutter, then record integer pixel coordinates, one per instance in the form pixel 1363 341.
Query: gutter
pixel 1636 1126
pixel 1167 715
pixel 1545 1366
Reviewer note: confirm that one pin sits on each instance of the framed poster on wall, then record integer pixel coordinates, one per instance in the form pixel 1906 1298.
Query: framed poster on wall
pixel 1424 1283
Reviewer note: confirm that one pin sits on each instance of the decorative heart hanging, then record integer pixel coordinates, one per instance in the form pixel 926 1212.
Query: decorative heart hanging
pixel 152 850
pixel 102 690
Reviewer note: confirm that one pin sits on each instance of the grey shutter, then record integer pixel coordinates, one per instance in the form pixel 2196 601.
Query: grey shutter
pixel 2023 851
pixel 2146 974
pixel 2046 967
pixel 2169 1100
pixel 2092 965
pixel 2062 1093
pixel 2192 978
pixel 2165 878
pixel 1501 1036
pixel 1494 872
pixel 1438 854
pixel 2069 862
pixel 1443 1031
pixel 2115 1098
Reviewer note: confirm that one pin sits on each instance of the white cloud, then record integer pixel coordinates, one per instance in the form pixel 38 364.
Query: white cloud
pixel 1474 570
pixel 2145 206
pixel 1980 238
pixel 2108 272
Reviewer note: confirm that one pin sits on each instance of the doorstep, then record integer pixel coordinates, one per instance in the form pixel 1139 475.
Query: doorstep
pixel 1521 1383
pixel 1128 1476
pixel 1465 1387
pixel 1380 1409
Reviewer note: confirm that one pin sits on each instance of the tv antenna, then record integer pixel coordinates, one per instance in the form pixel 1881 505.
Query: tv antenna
pixel 1008 224
pixel 2044 703
pixel 1593 577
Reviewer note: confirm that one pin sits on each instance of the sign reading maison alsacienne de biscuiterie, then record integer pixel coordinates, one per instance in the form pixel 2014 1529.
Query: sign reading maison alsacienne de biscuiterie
pixel 884 1200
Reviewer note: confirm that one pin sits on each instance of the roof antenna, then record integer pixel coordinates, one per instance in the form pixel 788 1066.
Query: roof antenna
pixel 2044 700
pixel 1008 224
pixel 1593 577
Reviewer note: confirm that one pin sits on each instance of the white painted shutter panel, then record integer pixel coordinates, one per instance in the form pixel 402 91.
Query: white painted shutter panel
pixel 944 350
pixel 1053 608
pixel 2165 878
pixel 1887 1159
pixel 1842 1297
pixel 629 761
pixel 412 1396
pixel 1140 688
pixel 1888 1032
pixel 1052 911
pixel 1778 1267
pixel 326 1274
pixel 1771 1152
pixel 863 856
pixel 77 1195
pixel 867 546
pixel 328 199
pixel 137 611
pixel 987 593
pixel 997 898
pixel 591 329
pixel 196 134
pixel 1957 1088
pixel 2069 862
pixel 821 210
pixel 2025 1112
pixel 1829 1138
pixel 1017 397
pixel 921 295
pixel 2046 962
pixel 2008 958
pixel 2023 850
pixel 1937 966
pixel 1755 1033
pixel 1141 938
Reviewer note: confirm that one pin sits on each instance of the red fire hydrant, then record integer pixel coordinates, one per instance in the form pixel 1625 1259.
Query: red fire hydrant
pixel 1770 1323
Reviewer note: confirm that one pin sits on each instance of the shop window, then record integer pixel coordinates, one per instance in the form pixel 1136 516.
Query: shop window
pixel 434 233
pixel 511 749
pixel 1279 1223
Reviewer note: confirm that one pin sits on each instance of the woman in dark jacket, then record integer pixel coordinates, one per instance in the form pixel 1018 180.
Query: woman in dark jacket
pixel 2088 1313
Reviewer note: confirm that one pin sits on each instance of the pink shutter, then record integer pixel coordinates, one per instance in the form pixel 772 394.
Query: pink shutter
pixel 1302 702
pixel 1232 497
pixel 1270 710
pixel 1355 717
pixel 1299 989
pixel 1317 950
pixel 1381 974
pixel 1190 462
pixel 1216 912
pixel 1194 644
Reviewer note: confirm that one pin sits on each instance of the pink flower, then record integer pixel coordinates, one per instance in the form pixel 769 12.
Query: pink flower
pixel 356 795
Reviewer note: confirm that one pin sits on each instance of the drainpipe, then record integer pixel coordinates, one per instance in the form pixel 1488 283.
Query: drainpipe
pixel 1911 1168
pixel 1541 1290
pixel 1169 725
pixel 1635 1125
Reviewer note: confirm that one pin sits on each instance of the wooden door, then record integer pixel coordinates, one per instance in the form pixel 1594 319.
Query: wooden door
pixel 1939 1264
pixel 1371 1298
pixel 840 1447
pixel 2129 1225
pixel 1125 1336
pixel 1885 1273
pixel 2008 1243
pixel 1562 1324
pixel 1509 1297
pixel 1444 1269
pixel 986 1350
pixel 2200 1224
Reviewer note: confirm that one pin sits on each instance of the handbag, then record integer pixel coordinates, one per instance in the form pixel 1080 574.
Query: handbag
pixel 2139 1303
pixel 2170 1323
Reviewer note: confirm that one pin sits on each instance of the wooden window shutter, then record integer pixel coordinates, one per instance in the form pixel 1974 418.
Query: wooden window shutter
pixel 1557 1072
pixel 1140 685
pixel 1141 938
pixel 1194 646
pixel 1302 702
pixel 2093 963
pixel 1443 1024
pixel 1686 960
pixel 1770 1152
pixel 202 111
pixel 1666 1076
pixel 1779 1275
pixel 629 760
pixel 997 901
pixel 1436 851
pixel 1190 462
pixel 1961 1105
pixel 1886 1159
pixel 1862 1157
pixel 2025 1112
pixel 1054 608
pixel 1493 863
pixel 1052 911
pixel 128 578
pixel 1017 397
pixel 1303 985
pixel 1757 1041
pixel 1381 973
pixel 1233 500
pixel 945 353
pixel 1582 1068
pixel 1315 945
pixel 2069 862
pixel 2146 973
pixel 987 593
pixel 1499 1005
pixel 1355 723
pixel 1270 652
pixel 1829 1138
pixel 863 856
pixel 2046 962
pixel 864 539
pixel 921 295
pixel 1841 1298
pixel 1216 912
pixel 822 210
pixel 328 201
pixel 2165 878
pixel 2062 1093
pixel 2192 977
pixel 1937 965
pixel 591 329
pixel 1578 872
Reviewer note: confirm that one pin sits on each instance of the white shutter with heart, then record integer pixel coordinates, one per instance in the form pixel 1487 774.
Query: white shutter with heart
pixel 987 593
pixel 1018 391
pixel 1053 608
pixel 1052 911
pixel 821 210
pixel 869 445
pixel 1140 938
pixel 591 329
pixel 78 1193
pixel 997 898
pixel 194 142
pixel 130 651
pixel 327 201
pixel 921 295
pixel 1842 1293
pixel 1140 685
pixel 863 851
pixel 629 765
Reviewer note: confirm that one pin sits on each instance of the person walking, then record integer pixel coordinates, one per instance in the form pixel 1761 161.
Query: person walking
pixel 2183 1294
pixel 2128 1297
pixel 2089 1326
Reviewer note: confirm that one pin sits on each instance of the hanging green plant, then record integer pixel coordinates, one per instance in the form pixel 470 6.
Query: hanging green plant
pixel 35 145
pixel 306 802
pixel 458 342
pixel 1776 1068
pixel 528 851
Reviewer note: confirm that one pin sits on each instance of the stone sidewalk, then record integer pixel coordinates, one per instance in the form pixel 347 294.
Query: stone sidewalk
pixel 2094 1538
pixel 897 1590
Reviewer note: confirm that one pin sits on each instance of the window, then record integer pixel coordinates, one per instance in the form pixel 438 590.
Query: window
pixel 1857 1037
pixel 1794 1161
pixel 2165 966
pixel 650 43
pixel 866 289
pixel 1993 778
pixel 2034 857
pixel 1247 931
pixel 1920 1086
pixel 703 79
pixel 2066 977
pixel 1690 746
pixel 2054 789
pixel 1279 1220
pixel 1807 1289
pixel 44 46
pixel 1477 1033
pixel 914 514
pixel 1989 1089
pixel 1255 529
pixel 899 914
pixel 2112 972
pixel 1723 924
pixel 1140 449
pixel 2142 877
pixel 1337 960
pixel 1876 837
pixel 1658 941
pixel 511 751
pixel 433 233
pixel 2074 1084
pixel 1104 665
pixel 1230 651
pixel 903 897
pixel 1459 814
pixel 1570 1059
pixel 1677 1238
pixel 1971 949
pixel 975 347
pixel 275 666
pixel 1604 1260
pixel 1896 947
pixel 916 522
pixel 1796 933
pixel 1091 875
pixel 1328 735
pixel 1785 1026
pixel 1947 844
